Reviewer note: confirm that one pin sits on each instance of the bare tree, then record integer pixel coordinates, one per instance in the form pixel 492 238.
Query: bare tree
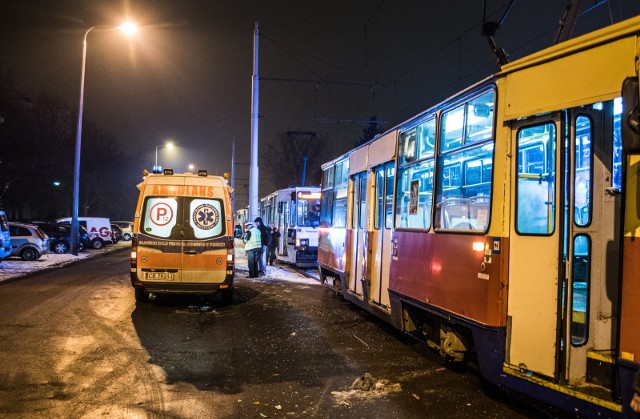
pixel 372 129
pixel 285 157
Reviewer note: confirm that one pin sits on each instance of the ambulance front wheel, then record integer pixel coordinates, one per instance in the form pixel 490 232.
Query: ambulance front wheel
pixel 141 295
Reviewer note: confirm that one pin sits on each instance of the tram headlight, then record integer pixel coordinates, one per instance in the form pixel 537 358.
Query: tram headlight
pixel 478 246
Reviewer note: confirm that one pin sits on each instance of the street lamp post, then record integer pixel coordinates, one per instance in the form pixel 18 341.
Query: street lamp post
pixel 156 169
pixel 127 28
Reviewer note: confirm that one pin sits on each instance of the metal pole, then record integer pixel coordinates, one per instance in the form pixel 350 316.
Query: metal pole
pixel 76 167
pixel 253 168
pixel 156 157
pixel 233 179
pixel 304 170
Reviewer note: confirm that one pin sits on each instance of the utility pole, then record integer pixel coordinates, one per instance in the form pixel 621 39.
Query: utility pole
pixel 233 179
pixel 304 171
pixel 568 21
pixel 254 210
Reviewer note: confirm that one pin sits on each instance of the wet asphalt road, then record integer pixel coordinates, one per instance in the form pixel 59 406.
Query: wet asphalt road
pixel 73 343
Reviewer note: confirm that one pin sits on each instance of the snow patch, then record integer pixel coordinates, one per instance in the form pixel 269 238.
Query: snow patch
pixel 14 267
pixel 366 388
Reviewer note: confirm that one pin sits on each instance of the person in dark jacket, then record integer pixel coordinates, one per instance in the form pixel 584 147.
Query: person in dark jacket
pixel 264 234
pixel 273 243
pixel 635 400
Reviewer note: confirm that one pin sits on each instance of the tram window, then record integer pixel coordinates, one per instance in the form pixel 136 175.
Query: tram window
pixel 340 207
pixel 414 195
pixel 327 178
pixel 388 210
pixel 379 198
pixel 583 172
pixel 307 212
pixel 426 139
pixel 581 269
pixel 465 166
pixel 363 200
pixel 479 122
pixel 452 124
pixel 536 183
pixel 616 179
pixel 408 146
pixel 326 206
pixel 464 189
pixel 359 200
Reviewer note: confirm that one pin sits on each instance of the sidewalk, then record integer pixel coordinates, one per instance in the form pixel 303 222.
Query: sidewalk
pixel 279 271
pixel 14 267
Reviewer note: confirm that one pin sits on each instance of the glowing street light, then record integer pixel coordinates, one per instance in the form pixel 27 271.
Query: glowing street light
pixel 156 169
pixel 128 28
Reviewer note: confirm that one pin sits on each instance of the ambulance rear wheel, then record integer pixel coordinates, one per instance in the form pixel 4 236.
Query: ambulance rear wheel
pixel 141 295
pixel 227 296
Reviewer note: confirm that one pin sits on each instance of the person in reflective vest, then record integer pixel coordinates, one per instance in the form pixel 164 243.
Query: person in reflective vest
pixel 253 247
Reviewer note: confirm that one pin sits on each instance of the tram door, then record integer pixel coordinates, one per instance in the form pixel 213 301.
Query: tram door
pixel 358 226
pixel 593 242
pixel 563 266
pixel 535 245
pixel 380 236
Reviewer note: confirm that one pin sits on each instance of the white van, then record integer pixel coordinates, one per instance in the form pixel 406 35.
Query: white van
pixel 99 229
pixel 183 236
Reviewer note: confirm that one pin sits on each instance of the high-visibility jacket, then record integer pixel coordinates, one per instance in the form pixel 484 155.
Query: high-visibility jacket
pixel 255 241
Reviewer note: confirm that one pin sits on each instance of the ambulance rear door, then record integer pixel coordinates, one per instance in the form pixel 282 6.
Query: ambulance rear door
pixel 204 247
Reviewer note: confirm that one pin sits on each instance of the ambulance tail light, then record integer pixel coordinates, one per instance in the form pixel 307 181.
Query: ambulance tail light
pixel 230 252
pixel 134 252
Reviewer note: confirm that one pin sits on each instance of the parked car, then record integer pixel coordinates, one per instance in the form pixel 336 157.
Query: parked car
pixel 116 232
pixel 28 241
pixel 60 236
pixel 5 237
pixel 126 227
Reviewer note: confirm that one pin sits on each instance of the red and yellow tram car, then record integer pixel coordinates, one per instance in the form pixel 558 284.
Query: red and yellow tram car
pixel 502 225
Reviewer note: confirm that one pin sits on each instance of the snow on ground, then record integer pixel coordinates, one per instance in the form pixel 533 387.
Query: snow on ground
pixel 15 267
pixel 279 271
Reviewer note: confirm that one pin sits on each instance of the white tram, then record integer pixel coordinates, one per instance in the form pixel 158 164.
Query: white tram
pixel 296 213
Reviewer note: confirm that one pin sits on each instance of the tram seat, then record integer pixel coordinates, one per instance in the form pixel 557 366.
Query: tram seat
pixel 479 211
pixel 454 213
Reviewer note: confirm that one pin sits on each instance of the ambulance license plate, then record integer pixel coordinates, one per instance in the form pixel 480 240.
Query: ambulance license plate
pixel 159 276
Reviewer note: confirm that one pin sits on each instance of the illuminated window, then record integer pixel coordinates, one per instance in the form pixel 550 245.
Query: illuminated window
pixel 581 269
pixel 536 183
pixel 583 172
pixel 465 166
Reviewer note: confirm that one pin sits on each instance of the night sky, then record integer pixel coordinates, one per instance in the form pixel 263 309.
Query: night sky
pixel 186 76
